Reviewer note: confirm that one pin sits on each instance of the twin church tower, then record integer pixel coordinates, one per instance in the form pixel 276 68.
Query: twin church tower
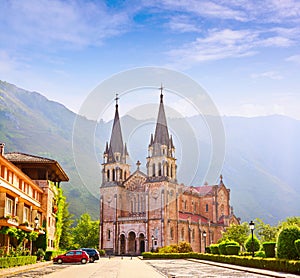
pixel 143 211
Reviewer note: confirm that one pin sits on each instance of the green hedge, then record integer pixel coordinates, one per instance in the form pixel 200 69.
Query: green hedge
pixel 49 255
pixel 214 249
pixel 286 248
pixel 297 245
pixel 269 248
pixel 280 265
pixel 232 249
pixel 6 262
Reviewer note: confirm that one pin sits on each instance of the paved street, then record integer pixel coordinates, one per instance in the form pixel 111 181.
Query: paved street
pixel 116 267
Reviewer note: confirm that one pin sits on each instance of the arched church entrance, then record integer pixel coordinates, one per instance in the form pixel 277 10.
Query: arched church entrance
pixel 142 243
pixel 122 244
pixel 131 243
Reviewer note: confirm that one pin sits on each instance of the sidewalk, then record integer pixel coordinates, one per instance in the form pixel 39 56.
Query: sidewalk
pixel 248 269
pixel 18 269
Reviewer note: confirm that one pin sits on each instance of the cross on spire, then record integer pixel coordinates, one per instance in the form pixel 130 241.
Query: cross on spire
pixel 116 99
pixel 161 93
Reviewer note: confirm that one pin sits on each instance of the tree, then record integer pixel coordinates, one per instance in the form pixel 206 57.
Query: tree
pixel 290 221
pixel 238 233
pixel 248 244
pixel 66 238
pixel 265 232
pixel 86 233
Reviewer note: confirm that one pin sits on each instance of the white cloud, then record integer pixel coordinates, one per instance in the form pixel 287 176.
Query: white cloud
pixel 294 59
pixel 75 23
pixel 268 74
pixel 182 24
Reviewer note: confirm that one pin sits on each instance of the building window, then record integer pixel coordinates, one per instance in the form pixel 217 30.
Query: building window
pixel 171 232
pixel 182 234
pixel 153 170
pixel 185 204
pixel 206 207
pixel 108 177
pixel 26 214
pixel 159 169
pixel 108 234
pixel 113 174
pixel 9 206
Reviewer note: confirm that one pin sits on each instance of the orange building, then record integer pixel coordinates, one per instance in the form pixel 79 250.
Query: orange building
pixel 28 190
pixel 143 211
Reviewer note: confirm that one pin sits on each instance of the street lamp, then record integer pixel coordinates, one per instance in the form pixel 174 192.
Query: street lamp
pixel 152 249
pixel 204 238
pixel 36 221
pixel 251 225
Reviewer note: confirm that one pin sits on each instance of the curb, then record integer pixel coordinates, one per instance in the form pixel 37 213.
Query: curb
pixel 18 269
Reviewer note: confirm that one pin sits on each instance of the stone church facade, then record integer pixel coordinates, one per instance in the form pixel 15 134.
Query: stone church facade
pixel 143 211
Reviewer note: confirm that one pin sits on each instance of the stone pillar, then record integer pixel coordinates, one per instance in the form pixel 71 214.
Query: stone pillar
pixel 2 203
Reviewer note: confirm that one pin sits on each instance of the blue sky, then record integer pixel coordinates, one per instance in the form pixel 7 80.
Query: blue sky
pixel 246 54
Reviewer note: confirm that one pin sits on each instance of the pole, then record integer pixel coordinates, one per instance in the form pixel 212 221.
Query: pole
pixel 252 244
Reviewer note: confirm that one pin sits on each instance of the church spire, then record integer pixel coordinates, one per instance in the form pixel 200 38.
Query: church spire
pixel 116 140
pixel 115 168
pixel 161 135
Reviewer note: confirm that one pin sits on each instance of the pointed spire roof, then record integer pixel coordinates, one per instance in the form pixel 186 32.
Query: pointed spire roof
pixel 116 139
pixel 161 135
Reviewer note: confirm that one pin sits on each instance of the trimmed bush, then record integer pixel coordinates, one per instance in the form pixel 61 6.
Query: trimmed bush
pixel 269 248
pixel 232 249
pixel 248 244
pixel 102 252
pixel 6 262
pixel 214 249
pixel 286 248
pixel 182 247
pixel 49 255
pixel 223 244
pixel 260 254
pixel 297 245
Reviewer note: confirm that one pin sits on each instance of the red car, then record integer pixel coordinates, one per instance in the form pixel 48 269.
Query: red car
pixel 72 256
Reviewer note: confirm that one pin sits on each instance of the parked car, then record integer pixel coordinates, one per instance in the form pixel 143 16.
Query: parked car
pixel 72 256
pixel 93 254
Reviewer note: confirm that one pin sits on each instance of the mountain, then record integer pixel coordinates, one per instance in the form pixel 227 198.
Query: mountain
pixel 30 123
pixel 260 166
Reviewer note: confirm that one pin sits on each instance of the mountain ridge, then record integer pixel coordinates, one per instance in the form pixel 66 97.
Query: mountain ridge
pixel 260 166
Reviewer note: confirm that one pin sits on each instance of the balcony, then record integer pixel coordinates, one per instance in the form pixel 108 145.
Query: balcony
pixel 26 227
pixel 7 221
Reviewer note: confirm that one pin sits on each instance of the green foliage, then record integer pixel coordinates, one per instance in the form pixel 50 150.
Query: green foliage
pixel 86 233
pixel 41 242
pixel 260 254
pixel 223 244
pixel 182 247
pixel 214 249
pixel 59 216
pixel 66 238
pixel 265 232
pixel 40 253
pixel 6 262
pixel 269 248
pixel 248 244
pixel 102 252
pixel 289 221
pixel 32 236
pixel 297 245
pixel 49 255
pixel 232 249
pixel 237 233
pixel 285 245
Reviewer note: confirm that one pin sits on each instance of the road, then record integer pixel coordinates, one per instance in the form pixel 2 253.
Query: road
pixel 116 267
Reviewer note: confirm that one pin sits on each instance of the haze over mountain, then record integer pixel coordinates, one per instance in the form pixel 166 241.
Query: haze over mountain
pixel 260 165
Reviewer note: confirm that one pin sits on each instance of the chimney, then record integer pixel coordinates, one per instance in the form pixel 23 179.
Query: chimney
pixel 2 145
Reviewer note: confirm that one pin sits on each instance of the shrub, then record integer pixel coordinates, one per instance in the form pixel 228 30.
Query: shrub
pixel 173 248
pixel 16 261
pixel 248 244
pixel 184 247
pixel 223 244
pixel 214 249
pixel 286 248
pixel 232 249
pixel 49 255
pixel 260 254
pixel 269 248
pixel 102 252
pixel 297 245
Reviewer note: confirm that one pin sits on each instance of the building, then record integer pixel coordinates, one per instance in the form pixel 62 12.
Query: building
pixel 28 195
pixel 143 211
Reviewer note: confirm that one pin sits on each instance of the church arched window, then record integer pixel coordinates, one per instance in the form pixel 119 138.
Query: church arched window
pixel 113 174
pixel 108 176
pixel 153 170
pixel 206 207
pixel 159 169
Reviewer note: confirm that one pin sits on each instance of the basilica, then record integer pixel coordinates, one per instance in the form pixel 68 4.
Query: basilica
pixel 144 211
